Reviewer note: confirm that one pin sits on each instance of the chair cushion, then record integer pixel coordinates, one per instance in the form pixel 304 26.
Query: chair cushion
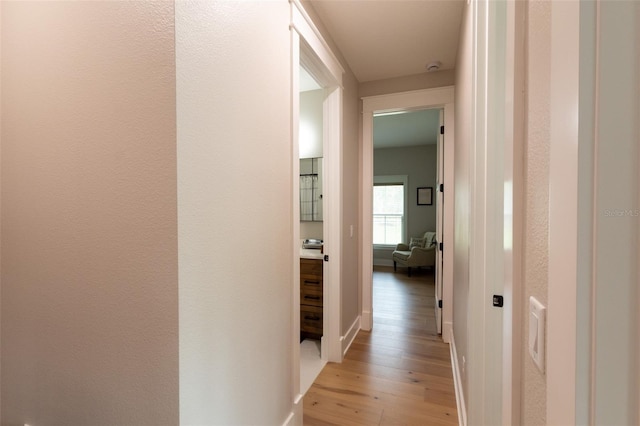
pixel 430 238
pixel 401 255
pixel 417 242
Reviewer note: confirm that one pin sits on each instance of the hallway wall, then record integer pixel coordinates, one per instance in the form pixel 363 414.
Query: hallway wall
pixel 89 243
pixel 536 245
pixel 235 225
pixel 462 182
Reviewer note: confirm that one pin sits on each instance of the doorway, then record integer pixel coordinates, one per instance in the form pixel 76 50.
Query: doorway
pixel 440 98
pixel 310 52
pixel 310 141
pixel 405 201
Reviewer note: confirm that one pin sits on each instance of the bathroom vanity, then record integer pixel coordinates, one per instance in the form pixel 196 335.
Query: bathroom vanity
pixel 310 293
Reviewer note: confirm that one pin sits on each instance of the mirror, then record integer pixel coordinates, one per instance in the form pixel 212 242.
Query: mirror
pixel 311 189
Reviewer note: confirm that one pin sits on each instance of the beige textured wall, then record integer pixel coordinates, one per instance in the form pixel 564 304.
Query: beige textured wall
pixel 235 228
pixel 89 247
pixel 350 202
pixel 536 255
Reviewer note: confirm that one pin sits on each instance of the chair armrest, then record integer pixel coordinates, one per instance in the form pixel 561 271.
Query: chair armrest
pixel 402 247
pixel 422 256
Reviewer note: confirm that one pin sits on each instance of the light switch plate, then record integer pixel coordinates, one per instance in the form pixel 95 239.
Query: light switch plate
pixel 537 313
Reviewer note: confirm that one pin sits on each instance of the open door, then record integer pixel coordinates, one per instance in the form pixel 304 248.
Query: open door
pixel 439 224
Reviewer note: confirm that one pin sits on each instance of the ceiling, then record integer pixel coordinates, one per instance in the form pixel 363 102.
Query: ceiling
pixel 406 129
pixel 383 39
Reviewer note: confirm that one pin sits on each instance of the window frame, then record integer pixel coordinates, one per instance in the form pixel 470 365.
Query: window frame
pixel 398 180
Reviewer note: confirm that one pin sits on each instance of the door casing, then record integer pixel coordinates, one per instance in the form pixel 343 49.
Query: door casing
pixel 442 97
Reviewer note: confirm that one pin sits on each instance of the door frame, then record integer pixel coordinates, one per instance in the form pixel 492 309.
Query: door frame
pixel 309 49
pixel 494 344
pixel 442 97
pixel 439 222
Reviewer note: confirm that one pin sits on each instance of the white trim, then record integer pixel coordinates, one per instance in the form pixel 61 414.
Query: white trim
pixel 350 335
pixel 289 420
pixel 366 220
pixel 332 149
pixel 563 208
pixel 295 225
pixel 366 318
pixel 325 61
pixel 442 97
pixel 514 218
pixel 295 418
pixel 457 381
pixel 415 99
pixel 447 330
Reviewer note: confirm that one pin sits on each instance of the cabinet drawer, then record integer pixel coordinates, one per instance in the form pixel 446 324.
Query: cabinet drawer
pixel 310 284
pixel 311 267
pixel 311 319
pixel 312 298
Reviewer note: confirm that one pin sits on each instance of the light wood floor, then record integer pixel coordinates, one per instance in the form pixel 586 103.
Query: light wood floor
pixel 397 374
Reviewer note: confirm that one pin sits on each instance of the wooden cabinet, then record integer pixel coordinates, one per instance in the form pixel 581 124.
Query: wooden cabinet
pixel 310 298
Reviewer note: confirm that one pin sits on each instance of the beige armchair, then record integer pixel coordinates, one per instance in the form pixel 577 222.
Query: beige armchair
pixel 418 253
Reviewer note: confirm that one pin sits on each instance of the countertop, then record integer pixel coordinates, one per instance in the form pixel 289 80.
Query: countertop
pixel 310 253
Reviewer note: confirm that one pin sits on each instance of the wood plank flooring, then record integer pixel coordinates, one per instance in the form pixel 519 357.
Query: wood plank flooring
pixel 397 374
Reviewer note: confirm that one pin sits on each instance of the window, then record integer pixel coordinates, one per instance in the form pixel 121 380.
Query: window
pixel 388 213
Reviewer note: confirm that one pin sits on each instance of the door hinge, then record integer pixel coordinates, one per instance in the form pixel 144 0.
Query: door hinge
pixel 441 246
pixel 442 187
pixel 326 257
pixel 440 304
pixel 442 130
pixel 498 301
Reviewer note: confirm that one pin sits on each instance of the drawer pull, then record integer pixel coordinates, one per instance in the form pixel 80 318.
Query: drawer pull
pixel 312 318
pixel 312 282
pixel 312 297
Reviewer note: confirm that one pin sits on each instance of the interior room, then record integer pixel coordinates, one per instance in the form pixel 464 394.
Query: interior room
pixel 311 228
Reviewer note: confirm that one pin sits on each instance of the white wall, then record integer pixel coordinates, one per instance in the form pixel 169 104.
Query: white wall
pixel 89 247
pixel 234 138
pixel 311 123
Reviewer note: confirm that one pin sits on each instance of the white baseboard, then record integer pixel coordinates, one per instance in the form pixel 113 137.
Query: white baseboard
pixel 447 331
pixel 347 339
pixel 295 417
pixel 366 320
pixel 457 381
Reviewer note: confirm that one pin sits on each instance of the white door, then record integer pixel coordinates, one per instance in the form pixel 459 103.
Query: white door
pixel 439 224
